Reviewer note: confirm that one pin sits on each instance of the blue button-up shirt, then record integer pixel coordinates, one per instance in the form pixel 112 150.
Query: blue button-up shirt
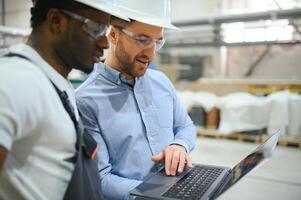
pixel 131 123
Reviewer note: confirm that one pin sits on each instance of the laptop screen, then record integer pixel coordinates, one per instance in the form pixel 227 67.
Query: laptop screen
pixel 254 159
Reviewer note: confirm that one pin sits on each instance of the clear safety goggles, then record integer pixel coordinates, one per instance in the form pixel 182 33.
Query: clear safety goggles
pixel 143 41
pixel 94 29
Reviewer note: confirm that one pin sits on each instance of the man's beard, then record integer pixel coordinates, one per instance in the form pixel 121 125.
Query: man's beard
pixel 126 63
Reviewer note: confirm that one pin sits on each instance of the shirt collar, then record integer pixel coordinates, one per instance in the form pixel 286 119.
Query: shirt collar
pixel 113 75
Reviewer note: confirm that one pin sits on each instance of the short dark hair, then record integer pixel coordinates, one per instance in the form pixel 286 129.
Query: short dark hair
pixel 120 22
pixel 41 7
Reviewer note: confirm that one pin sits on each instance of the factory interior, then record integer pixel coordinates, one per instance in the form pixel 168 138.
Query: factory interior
pixel 236 68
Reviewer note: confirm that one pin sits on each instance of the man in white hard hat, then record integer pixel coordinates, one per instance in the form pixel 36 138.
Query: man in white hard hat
pixel 132 111
pixel 37 134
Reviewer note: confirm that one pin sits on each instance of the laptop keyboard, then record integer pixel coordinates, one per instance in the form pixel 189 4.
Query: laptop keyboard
pixel 194 184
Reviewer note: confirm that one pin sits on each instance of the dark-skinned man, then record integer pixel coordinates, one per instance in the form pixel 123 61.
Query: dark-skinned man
pixel 38 136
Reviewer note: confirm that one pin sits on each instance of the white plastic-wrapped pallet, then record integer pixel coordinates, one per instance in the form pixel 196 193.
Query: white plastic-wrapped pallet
pixel 186 98
pixel 206 100
pixel 242 112
pixel 278 111
pixel 294 107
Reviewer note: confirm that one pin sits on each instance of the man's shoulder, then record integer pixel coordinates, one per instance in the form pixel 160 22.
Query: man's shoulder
pixel 87 84
pixel 22 81
pixel 156 75
pixel 19 70
pixel 14 62
pixel 153 73
pixel 91 88
pixel 96 80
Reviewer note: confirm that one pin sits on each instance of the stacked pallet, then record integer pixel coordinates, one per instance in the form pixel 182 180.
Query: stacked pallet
pixel 258 138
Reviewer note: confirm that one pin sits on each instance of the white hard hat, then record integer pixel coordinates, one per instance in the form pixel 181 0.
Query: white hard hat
pixel 154 12
pixel 107 6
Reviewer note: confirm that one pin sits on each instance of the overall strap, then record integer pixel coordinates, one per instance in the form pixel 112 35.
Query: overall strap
pixel 70 110
pixel 10 54
pixel 67 104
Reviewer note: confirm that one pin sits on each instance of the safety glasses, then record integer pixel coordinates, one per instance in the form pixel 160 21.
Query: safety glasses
pixel 143 41
pixel 94 29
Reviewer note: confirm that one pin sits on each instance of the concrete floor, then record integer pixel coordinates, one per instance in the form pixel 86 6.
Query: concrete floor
pixel 278 178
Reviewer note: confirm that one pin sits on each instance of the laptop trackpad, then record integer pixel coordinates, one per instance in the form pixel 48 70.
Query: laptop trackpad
pixel 158 183
pixel 148 188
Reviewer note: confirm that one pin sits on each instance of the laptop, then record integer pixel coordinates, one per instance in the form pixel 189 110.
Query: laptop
pixel 204 182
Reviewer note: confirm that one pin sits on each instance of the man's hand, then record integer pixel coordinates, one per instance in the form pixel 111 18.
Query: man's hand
pixel 175 157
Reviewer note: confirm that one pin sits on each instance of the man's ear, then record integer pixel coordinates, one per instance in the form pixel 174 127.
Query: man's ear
pixel 56 21
pixel 113 35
